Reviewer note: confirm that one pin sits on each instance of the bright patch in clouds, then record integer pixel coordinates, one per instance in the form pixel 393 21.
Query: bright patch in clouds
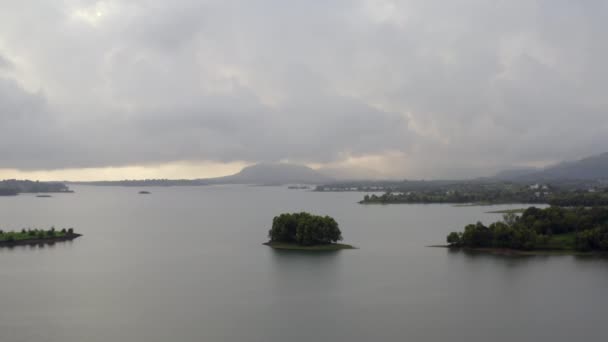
pixel 93 14
pixel 177 170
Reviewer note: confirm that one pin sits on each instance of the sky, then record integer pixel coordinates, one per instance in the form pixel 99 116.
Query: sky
pixel 93 90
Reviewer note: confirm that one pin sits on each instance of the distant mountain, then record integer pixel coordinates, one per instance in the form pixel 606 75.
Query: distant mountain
pixel 258 174
pixel 273 174
pixel 590 168
pixel 514 173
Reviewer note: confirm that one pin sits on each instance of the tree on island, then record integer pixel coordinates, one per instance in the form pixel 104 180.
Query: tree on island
pixel 304 229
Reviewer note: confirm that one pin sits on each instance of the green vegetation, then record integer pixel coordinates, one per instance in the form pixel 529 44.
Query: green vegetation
pixel 580 198
pixel 26 235
pixel 463 193
pixel 565 241
pixel 553 228
pixel 563 194
pixel 304 231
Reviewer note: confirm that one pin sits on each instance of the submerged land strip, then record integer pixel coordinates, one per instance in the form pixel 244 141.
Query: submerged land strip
pixel 507 211
pixel 322 247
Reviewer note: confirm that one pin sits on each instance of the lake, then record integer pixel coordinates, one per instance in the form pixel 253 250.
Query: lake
pixel 187 264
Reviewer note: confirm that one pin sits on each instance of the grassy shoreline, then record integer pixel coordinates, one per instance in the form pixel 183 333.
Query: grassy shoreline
pixel 295 247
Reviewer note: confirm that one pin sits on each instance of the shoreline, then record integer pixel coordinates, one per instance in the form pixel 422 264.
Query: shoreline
pixel 39 241
pixel 317 248
pixel 454 204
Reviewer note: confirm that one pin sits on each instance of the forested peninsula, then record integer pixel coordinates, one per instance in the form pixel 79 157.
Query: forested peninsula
pixel 36 236
pixel 304 231
pixel 12 187
pixel 505 194
pixel 553 229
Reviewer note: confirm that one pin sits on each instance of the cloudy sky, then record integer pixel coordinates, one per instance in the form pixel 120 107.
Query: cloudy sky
pixel 184 89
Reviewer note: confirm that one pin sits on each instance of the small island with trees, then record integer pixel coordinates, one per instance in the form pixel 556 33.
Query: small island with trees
pixel 13 187
pixel 539 231
pixel 304 231
pixel 36 236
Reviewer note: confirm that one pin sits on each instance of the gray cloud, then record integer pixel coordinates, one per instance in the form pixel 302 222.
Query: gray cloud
pixel 456 89
pixel 5 63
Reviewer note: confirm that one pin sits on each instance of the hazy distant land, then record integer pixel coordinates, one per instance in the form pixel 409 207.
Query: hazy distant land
pixel 12 187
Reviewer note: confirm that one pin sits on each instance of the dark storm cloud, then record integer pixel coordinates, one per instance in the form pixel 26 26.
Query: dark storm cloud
pixel 455 88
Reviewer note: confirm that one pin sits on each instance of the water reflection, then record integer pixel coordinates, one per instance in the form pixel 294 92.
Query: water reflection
pixel 293 271
pixel 304 262
pixel 473 254
pixel 34 246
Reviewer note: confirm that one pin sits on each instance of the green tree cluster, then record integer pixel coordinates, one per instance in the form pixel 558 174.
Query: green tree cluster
pixel 593 239
pixel 498 235
pixel 462 193
pixel 27 234
pixel 304 229
pixel 580 199
pixel 535 228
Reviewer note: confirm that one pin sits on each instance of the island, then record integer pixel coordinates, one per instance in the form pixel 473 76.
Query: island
pixel 539 231
pixel 36 236
pixel 143 192
pixel 13 187
pixel 306 232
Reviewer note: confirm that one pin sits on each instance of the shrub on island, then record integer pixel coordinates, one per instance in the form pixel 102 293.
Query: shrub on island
pixel 305 231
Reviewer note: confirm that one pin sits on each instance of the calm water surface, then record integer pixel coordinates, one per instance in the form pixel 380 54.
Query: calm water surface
pixel 187 264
